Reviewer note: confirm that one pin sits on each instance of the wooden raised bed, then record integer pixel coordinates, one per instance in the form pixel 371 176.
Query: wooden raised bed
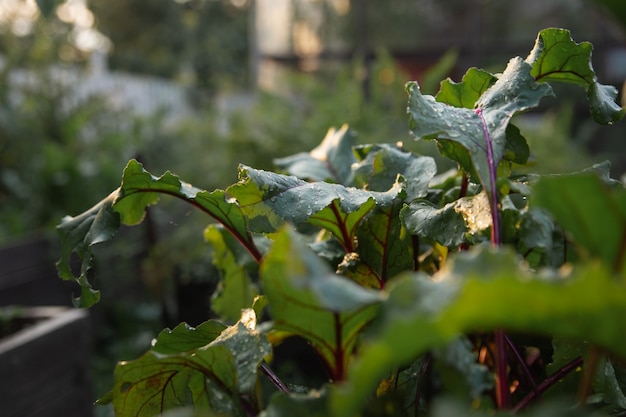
pixel 45 345
pixel 44 367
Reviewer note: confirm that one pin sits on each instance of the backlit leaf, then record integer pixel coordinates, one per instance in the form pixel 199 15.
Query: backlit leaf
pixel 556 57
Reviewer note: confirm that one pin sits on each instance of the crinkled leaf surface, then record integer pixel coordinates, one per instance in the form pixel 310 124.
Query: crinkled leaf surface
pixel 593 212
pixel 556 57
pixel 307 299
pixel 379 165
pixel 212 375
pixel 330 161
pixel 78 235
pixel 483 289
pixel 515 91
pixel 463 220
pixel 271 199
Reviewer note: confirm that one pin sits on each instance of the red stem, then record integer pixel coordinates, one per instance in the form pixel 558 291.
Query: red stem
pixel 503 395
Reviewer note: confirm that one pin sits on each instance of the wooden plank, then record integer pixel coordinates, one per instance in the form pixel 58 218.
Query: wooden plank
pixel 44 368
pixel 28 275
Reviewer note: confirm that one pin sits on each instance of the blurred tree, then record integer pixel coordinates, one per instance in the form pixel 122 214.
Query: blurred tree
pixel 202 41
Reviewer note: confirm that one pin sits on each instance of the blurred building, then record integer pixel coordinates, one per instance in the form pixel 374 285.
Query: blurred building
pixel 316 34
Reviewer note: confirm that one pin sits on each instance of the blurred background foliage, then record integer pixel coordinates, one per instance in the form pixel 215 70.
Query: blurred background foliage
pixel 262 79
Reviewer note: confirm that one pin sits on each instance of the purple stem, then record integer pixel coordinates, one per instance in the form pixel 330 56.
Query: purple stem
pixel 278 383
pixel 551 380
pixel 503 395
pixel 496 238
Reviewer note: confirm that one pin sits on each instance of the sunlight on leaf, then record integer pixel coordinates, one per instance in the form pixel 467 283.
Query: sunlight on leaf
pixel 556 57
pixel 270 199
pixel 463 220
pixel 209 376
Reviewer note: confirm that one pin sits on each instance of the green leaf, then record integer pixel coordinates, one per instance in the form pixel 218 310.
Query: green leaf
pixel 78 235
pixel 307 299
pixel 141 189
pixel 270 199
pixel 457 362
pixel 184 338
pixel 384 246
pixel 466 93
pixel 608 385
pixel 235 290
pixel 515 91
pixel 211 376
pixel 342 225
pixel 379 165
pixel 515 148
pixel 593 212
pixel 330 161
pixel 556 57
pixel 482 290
pixel 127 205
pixel 462 221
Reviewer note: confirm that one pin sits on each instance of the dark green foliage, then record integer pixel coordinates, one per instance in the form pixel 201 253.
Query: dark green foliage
pixel 460 293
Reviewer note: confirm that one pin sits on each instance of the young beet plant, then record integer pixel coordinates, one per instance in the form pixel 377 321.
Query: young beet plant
pixel 422 294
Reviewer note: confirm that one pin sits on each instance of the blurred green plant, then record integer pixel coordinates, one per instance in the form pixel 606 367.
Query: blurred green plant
pixel 53 142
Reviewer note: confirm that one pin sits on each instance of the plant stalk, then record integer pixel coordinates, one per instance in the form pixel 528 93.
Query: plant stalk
pixel 503 395
pixel 551 380
pixel 496 238
pixel 278 383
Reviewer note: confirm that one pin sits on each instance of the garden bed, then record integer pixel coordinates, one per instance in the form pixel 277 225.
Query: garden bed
pixel 44 364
